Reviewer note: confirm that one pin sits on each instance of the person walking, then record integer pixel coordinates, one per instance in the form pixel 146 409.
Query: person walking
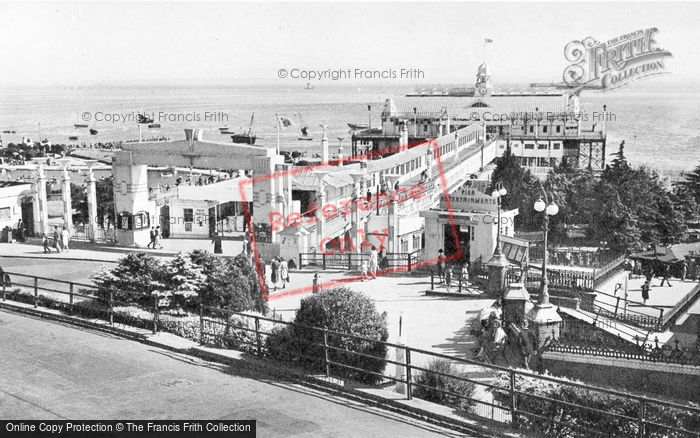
pixel 274 272
pixel 441 266
pixel 464 279
pixel 152 235
pixel 684 270
pixel 448 277
pixel 56 239
pixel 645 291
pixel 667 274
pixel 284 272
pixel 45 242
pixel 65 238
pixel 373 260
pixel 157 238
pixel 217 243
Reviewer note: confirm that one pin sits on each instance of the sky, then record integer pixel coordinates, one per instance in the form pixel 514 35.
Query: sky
pixel 85 43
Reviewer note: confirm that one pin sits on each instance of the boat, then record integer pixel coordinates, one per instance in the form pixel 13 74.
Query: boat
pixel 154 125
pixel 227 132
pixel 73 137
pixel 248 137
pixel 224 128
pixel 355 127
pixel 93 131
pixel 79 125
pixel 309 86
pixel 144 119
pixel 6 132
pixel 304 130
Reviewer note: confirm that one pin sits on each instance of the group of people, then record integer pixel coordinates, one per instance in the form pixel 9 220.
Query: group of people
pixel 58 240
pixel 446 274
pixel 155 235
pixel 279 270
pixel 377 260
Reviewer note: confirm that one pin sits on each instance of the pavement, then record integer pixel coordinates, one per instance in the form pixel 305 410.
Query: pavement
pixel 54 372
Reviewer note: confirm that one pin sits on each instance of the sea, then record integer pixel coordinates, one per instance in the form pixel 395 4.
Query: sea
pixel 660 126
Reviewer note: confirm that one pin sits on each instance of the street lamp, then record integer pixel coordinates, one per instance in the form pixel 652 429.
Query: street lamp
pixel 498 192
pixel 548 208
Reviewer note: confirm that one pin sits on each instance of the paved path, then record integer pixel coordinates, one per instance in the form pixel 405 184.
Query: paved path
pixel 51 371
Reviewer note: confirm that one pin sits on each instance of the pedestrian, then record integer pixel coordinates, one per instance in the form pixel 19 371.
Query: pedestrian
pixel 465 273
pixel 274 272
pixel 157 238
pixel 284 272
pixel 618 289
pixel 56 239
pixel 20 231
pixel 365 269
pixel 382 258
pixel 645 291
pixel 292 264
pixel 263 268
pixel 667 274
pixel 441 266
pixel 152 235
pixel 45 242
pixel 448 277
pixel 684 270
pixel 217 243
pixel 373 262
pixel 65 238
pixel 316 284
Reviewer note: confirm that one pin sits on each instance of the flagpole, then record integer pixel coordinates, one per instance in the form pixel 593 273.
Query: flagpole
pixel 278 132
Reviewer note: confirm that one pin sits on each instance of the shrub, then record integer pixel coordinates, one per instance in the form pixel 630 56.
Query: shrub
pixel 339 310
pixel 433 387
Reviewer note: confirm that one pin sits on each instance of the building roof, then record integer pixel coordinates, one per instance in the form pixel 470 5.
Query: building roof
pixel 5 184
pixel 554 102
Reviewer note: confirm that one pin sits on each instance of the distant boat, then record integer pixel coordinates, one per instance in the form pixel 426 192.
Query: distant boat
pixel 93 131
pixel 144 119
pixel 73 137
pixel 355 127
pixel 224 128
pixel 79 125
pixel 227 132
pixel 309 86
pixel 247 138
pixel 304 130
pixel 6 132
pixel 154 125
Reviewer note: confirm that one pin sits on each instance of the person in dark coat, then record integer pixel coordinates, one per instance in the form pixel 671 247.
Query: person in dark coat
pixel 274 272
pixel 217 243
pixel 645 291
pixel 667 275
pixel 441 266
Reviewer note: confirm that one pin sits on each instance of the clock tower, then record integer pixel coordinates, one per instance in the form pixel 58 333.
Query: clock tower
pixel 483 82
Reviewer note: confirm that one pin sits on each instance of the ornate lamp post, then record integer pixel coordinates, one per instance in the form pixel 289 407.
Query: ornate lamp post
pixel 548 208
pixel 498 263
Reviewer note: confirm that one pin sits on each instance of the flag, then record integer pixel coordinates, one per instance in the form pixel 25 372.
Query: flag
pixel 488 40
pixel 285 122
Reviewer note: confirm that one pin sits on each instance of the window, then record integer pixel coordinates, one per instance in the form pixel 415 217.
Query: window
pixel 404 246
pixel 188 214
pixel 125 221
pixel 544 129
pixel 425 128
pixel 541 146
pixel 5 213
pixel 529 146
pixel 556 145
pixel 141 220
pixel 416 242
pixel 532 129
pixel 558 129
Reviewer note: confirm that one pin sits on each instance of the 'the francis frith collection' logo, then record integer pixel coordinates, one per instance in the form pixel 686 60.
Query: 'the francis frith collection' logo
pixel 616 62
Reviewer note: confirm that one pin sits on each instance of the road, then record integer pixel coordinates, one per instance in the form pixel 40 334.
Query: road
pixel 52 371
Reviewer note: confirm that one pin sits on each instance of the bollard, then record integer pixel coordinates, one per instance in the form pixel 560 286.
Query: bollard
pixel 70 294
pixel 36 291
pixel 325 351
pixel 257 335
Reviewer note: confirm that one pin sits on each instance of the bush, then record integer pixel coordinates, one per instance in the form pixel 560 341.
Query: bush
pixel 339 310
pixel 433 387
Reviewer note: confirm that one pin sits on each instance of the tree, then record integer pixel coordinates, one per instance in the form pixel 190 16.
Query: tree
pixel 521 186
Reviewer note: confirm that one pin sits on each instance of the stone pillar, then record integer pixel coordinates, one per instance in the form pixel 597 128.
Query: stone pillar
pixel 546 322
pixel 428 158
pixel 92 204
pixel 42 217
pixel 324 146
pixel 514 301
pixel 403 142
pixel 67 207
pixel 497 273
pixel 393 225
pixel 320 203
pixel 357 237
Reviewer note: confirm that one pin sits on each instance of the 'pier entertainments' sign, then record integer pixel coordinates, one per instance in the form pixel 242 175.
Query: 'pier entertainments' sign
pixel 614 63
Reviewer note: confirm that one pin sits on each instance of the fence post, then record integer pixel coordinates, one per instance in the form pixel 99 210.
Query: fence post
pixel 201 321
pixel 409 384
pixel 155 314
pixel 513 400
pixel 349 260
pixel 257 335
pixel 661 317
pixel 70 293
pixel 301 265
pixel 111 308
pixel 325 351
pixel 461 276
pixel 36 291
pixel 324 262
pixel 617 305
pixel 409 262
pixel 432 280
pixel 4 289
pixel 642 416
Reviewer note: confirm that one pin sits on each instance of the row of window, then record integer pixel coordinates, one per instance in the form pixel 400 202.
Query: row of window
pixel 540 146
